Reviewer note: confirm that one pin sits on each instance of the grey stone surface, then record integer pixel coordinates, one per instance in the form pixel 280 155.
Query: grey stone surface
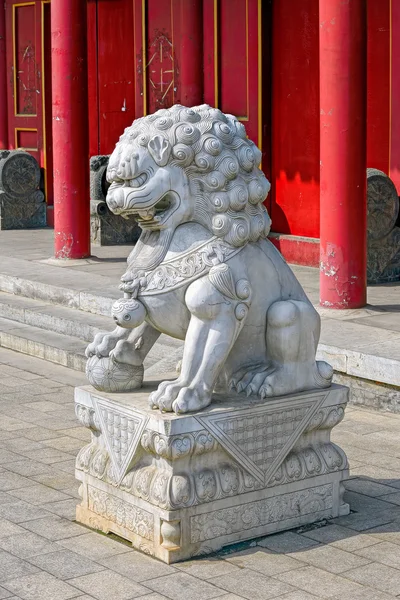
pixel 41 586
pixel 180 585
pixel 65 564
pixel 224 474
pixel 12 567
pixel 108 585
pixel 94 546
pixel 139 567
pixel 319 582
pixel 204 243
pixel 53 528
pixel 376 523
pixel 26 545
pixel 377 575
pixel 251 585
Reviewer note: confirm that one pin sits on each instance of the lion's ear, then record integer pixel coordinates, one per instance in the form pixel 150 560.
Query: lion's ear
pixel 160 149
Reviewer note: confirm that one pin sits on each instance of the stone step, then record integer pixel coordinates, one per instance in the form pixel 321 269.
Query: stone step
pixel 48 345
pixel 52 317
pixel 58 285
pixel 69 351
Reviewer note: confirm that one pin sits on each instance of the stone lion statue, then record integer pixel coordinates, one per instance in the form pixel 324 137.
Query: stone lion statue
pixel 203 269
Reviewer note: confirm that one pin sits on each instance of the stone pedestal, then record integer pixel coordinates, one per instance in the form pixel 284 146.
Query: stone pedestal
pixel 182 486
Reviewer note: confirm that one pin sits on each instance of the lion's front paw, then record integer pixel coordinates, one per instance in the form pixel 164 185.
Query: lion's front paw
pixel 191 400
pixel 104 343
pixel 178 397
pixel 165 395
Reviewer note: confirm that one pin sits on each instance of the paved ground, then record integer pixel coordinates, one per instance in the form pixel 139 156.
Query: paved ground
pixel 44 555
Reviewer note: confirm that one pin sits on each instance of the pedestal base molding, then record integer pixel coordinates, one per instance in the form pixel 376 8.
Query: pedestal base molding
pixel 183 486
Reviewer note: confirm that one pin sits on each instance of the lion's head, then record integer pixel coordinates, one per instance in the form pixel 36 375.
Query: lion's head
pixel 190 164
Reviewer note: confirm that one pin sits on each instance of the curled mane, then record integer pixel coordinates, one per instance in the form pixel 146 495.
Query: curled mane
pixel 220 162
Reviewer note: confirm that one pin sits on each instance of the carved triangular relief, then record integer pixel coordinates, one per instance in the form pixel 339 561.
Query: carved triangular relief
pixel 259 439
pixel 122 430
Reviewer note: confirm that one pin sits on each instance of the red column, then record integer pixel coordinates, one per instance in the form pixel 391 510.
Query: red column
pixel 3 79
pixel 70 129
pixel 191 48
pixel 342 44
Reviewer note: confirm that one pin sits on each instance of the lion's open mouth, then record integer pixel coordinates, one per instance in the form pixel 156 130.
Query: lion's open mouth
pixel 151 217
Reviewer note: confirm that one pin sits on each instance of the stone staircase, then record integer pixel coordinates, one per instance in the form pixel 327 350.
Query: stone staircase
pixel 56 323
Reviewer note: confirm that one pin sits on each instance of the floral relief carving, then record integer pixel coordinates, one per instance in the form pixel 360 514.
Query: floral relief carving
pixel 179 446
pixel 228 521
pixel 126 515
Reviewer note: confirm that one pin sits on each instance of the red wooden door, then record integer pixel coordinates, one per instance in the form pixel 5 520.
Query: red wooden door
pixel 29 81
pixel 181 51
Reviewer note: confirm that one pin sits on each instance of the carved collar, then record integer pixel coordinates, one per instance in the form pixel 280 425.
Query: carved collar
pixel 180 270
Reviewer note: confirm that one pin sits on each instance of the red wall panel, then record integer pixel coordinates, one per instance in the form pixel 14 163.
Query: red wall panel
pixel 295 118
pixel 394 165
pixel 116 75
pixel 378 84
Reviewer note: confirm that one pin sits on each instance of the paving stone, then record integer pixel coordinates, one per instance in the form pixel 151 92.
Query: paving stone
pixel 65 508
pixel 369 488
pixel 65 564
pixel 7 528
pixel 42 406
pixel 264 561
pixel 6 498
pixel 39 494
pixel 68 466
pixel 341 537
pixel 319 582
pixel 108 585
pixel 48 456
pixel 206 568
pixel 28 468
pixel 79 432
pixel 298 595
pixel 54 528
pixel 65 444
pixel 139 567
pixel 22 443
pixel 56 480
pixel 12 567
pixel 18 512
pixel 5 593
pixel 286 542
pixel 383 552
pixel 380 475
pixel 95 546
pixel 40 434
pixel 6 456
pixel 363 522
pixel 248 584
pixel 378 576
pixel 41 586
pixel 365 593
pixel 394 498
pixel 26 545
pixel 332 559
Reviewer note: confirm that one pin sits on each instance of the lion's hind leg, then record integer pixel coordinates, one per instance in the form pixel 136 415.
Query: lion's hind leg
pixel 290 366
pixel 293 329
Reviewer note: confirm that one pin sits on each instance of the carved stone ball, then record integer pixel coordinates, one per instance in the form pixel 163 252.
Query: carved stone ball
pixel 105 374
pixel 128 313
